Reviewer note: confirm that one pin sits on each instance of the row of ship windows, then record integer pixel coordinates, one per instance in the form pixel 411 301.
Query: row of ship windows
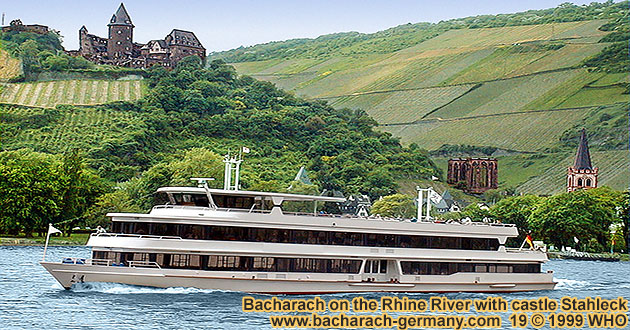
pixel 235 263
pixel 306 265
pixel 448 268
pixel 295 236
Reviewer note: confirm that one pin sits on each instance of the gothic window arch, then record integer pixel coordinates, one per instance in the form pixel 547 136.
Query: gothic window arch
pixel 579 183
pixel 588 182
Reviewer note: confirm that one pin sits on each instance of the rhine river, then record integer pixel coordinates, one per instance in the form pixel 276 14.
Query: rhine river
pixel 31 299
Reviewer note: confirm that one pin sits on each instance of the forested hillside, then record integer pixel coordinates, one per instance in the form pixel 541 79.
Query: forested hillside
pixel 521 84
pixel 189 118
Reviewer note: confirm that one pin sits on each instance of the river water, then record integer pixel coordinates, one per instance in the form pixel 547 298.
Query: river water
pixel 31 299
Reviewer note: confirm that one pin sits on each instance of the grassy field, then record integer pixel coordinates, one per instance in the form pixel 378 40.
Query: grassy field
pixel 9 66
pixel 48 94
pixel 74 239
pixel 83 127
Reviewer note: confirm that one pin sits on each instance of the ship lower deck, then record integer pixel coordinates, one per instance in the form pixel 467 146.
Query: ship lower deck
pixel 68 274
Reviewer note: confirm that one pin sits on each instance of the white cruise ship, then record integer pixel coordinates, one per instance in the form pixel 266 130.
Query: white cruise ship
pixel 244 241
pixel 228 239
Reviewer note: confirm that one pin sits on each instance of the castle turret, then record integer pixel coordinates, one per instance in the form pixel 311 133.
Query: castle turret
pixel 582 175
pixel 120 41
pixel 84 43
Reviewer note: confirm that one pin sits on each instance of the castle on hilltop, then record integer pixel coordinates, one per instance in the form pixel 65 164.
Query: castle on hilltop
pixel 18 26
pixel 120 49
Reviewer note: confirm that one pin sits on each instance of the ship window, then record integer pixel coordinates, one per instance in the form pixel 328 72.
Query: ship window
pixel 480 268
pixel 194 261
pixel 179 260
pixel 375 266
pixel 468 268
pixel 141 257
pixel 504 269
pixel 161 198
pixel 383 269
pixel 263 263
pixel 141 228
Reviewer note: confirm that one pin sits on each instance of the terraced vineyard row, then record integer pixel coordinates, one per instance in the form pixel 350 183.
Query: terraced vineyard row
pixel 614 172
pixel 404 106
pixel 509 35
pixel 522 131
pixel 82 127
pixel 48 94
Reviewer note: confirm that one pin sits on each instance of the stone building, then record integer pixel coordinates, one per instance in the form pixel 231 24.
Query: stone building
pixel 582 175
pixel 475 175
pixel 120 49
pixel 17 25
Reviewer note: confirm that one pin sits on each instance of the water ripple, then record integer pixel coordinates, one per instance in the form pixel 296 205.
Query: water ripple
pixel 32 299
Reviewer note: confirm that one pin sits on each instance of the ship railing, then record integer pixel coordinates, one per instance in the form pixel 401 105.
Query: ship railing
pixel 203 208
pixel 141 263
pixel 101 262
pixel 517 250
pixel 109 262
pixel 379 218
pixel 135 236
pixel 75 261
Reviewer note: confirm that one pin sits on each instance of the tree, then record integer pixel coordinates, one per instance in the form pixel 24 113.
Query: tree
pixel 80 189
pixel 28 51
pixel 476 212
pixel 557 219
pixel 137 193
pixel 516 210
pixel 38 188
pixel 30 191
pixel 397 206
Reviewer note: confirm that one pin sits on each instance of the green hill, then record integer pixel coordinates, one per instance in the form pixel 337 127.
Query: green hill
pixel 524 82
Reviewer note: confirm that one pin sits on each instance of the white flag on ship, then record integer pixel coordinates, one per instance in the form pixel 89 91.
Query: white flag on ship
pixel 52 230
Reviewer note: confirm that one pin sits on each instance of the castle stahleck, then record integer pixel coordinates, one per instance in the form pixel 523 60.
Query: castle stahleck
pixel 119 49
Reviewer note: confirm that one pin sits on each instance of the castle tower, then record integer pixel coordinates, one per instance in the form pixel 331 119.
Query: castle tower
pixel 582 175
pixel 84 43
pixel 120 40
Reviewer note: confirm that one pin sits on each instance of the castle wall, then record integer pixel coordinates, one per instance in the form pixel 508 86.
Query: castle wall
pixel 477 174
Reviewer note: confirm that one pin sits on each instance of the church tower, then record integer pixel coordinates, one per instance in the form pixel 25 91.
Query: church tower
pixel 582 175
pixel 120 41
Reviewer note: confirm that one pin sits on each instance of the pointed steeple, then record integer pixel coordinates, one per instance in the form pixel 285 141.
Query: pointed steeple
pixel 583 157
pixel 121 17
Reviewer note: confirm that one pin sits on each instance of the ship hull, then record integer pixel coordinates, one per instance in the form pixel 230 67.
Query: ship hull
pixel 69 274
